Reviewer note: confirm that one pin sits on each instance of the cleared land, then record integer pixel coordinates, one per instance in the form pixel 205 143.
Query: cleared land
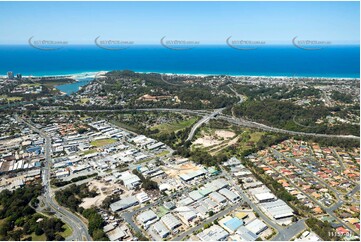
pixel 212 138
pixel 216 140
pixel 176 170
pixel 104 190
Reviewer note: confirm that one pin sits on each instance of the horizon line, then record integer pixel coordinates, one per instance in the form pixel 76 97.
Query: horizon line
pixel 196 45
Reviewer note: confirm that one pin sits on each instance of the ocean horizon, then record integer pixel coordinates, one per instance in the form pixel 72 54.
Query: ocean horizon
pixel 335 61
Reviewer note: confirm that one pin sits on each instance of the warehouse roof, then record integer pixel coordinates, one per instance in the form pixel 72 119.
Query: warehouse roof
pixel 264 196
pixel 146 216
pixel 195 195
pixel 215 196
pixel 256 226
pixel 187 213
pixel 229 194
pixel 161 229
pixel 245 234
pixel 171 221
pixel 213 233
pixel 193 174
pixel 116 234
pixel 186 201
pixel 124 203
pixel 278 209
pixel 233 224
pixel 209 203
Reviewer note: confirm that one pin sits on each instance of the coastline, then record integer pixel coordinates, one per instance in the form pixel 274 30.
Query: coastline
pixel 89 74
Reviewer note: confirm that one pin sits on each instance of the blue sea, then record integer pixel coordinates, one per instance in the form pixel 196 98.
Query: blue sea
pixel 331 61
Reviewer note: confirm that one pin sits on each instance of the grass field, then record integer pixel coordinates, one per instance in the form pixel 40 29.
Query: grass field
pixel 124 126
pixel 84 100
pixel 163 153
pixel 87 152
pixel 30 85
pixel 67 232
pixel 161 211
pixel 35 237
pixel 168 128
pixel 11 98
pixel 254 137
pixel 102 142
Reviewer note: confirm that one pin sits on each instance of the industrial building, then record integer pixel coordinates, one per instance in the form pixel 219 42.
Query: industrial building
pixel 218 198
pixel 265 197
pixel 216 185
pixel 146 218
pixel 231 196
pixel 195 195
pixel 233 224
pixel 142 197
pixel 186 214
pixel 124 204
pixel 256 226
pixel 193 174
pixel 245 234
pixel 277 209
pixel 130 180
pixel 116 234
pixel 161 229
pixel 171 221
pixel 213 233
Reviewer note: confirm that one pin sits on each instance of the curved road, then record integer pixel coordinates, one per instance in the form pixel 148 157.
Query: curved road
pixel 80 230
pixel 205 119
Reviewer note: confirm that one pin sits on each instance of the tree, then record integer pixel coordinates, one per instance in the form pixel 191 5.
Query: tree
pixel 38 231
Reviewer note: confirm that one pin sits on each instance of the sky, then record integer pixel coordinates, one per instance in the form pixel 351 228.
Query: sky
pixel 206 22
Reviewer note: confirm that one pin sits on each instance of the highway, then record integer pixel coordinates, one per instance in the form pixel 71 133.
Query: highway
pixel 255 125
pixel 80 230
pixel 205 119
pixel 230 119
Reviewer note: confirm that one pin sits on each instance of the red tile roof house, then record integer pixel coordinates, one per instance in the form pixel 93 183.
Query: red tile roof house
pixel 341 230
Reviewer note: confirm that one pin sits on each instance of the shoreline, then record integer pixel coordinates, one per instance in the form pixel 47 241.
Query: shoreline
pixel 91 74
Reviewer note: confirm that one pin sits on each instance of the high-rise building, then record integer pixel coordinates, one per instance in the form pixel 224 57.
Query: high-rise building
pixel 10 75
pixel 19 76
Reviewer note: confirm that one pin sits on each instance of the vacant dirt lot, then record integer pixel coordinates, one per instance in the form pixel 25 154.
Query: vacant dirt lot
pixel 176 170
pixel 213 138
pixel 104 190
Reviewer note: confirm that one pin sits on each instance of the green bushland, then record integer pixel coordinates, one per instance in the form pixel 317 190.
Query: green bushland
pixel 19 220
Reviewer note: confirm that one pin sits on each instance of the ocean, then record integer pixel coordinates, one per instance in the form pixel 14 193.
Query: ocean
pixel 279 60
